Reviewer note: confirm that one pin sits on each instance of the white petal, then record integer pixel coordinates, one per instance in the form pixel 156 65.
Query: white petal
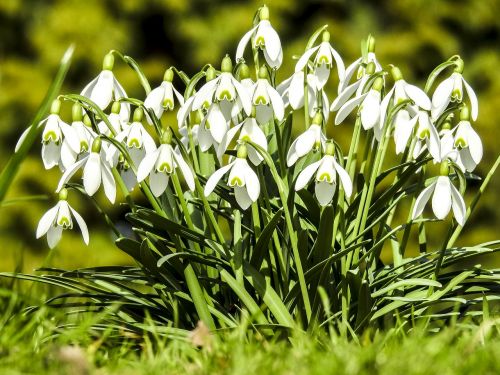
pixel 277 103
pixel 384 106
pixel 109 183
pixel 184 111
pixel 474 110
pixel 344 178
pixel 271 39
pixel 68 156
pixel 154 101
pixel 205 95
pixel 205 139
pixel 296 91
pixel 102 93
pixel 69 172
pixel 254 132
pixel 70 136
pixel 344 96
pixel 47 221
pixel 292 156
pixel 185 169
pixel 217 122
pixel 242 197
pixel 227 139
pixel 434 144
pixel 348 107
pixel 305 142
pixel 243 42
pixel 82 225
pixel 403 129
pixel 442 94
pixel 370 109
pixel 458 205
pixel 245 99
pixel 252 183
pixel 92 174
pixel 344 81
pixel 302 62
pixel 324 192
pixel 147 165
pixel 54 236
pixel 87 90
pixel 50 155
pixel 475 145
pixel 339 62
pixel 158 183
pixel 305 175
pixel 322 73
pixel 422 200
pixel 215 177
pixel 418 96
pixel 441 200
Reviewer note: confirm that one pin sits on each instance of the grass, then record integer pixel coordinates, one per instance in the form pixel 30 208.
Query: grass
pixel 49 341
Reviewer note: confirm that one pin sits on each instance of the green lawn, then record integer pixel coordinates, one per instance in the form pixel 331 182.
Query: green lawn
pixel 48 341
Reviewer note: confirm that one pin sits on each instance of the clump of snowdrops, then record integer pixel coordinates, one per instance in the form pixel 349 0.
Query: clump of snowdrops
pixel 238 222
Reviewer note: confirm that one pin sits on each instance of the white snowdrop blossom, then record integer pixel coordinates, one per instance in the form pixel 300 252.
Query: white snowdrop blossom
pixel 293 94
pixel 85 136
pixel 403 129
pixel 323 61
pixel 249 131
pixel 96 171
pixel 224 90
pixel 162 97
pixel 160 164
pixel 57 219
pixel 265 38
pixel 426 132
pixel 445 197
pixel 312 139
pixel 242 179
pixel 267 101
pixel 325 171
pixel 117 124
pixel 105 88
pixel 451 90
pixel 212 129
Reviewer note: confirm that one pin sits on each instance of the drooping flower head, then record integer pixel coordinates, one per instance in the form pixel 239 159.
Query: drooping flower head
pixel 266 100
pixel 57 219
pixel 162 97
pixel 312 139
pixel 265 38
pixel 242 179
pixel 105 88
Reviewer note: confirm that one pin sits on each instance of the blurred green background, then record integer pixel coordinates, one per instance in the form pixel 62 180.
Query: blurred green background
pixel 413 34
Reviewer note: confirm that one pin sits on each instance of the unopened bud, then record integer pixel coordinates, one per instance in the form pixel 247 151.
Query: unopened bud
pixel 378 83
pixel 55 107
pixel 227 65
pixel 370 43
pixel 210 74
pixel 330 149
pixel 76 112
pixel 325 37
pixel 108 62
pixel 264 13
pixel 396 73
pixel 86 121
pixel 138 115
pixel 166 137
pixel 96 145
pixel 244 71
pixel 169 75
pixel 116 107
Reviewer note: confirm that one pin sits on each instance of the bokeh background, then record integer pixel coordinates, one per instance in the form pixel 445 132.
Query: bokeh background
pixel 413 34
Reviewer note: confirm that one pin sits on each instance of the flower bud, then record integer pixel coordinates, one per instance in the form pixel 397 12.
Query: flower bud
pixel 325 37
pixel 166 137
pixel 396 73
pixel 108 62
pixel 138 115
pixel 116 107
pixel 378 83
pixel 317 119
pixel 263 74
pixel 210 73
pixel 370 43
pixel 242 151
pixel 444 168
pixel 227 65
pixel 96 145
pixel 76 112
pixel 169 75
pixel 244 71
pixel 330 149
pixel 464 113
pixel 55 107
pixel 264 13
pixel 63 194
pixel 86 121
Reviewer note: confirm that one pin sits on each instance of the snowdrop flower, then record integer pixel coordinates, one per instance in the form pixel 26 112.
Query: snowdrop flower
pixel 445 197
pixel 426 132
pixel 312 139
pixel 212 129
pixel 96 170
pixel 451 90
pixel 293 94
pixel 369 106
pixel 323 61
pixel 115 120
pixel 403 91
pixel 326 171
pixel 464 142
pixel 54 133
pixel 263 37
pixel 105 88
pixel 242 179
pixel 85 136
pixel 226 90
pixel 249 131
pixel 267 101
pixel 161 163
pixel 57 219
pixel 403 128
pixel 137 141
pixel 162 97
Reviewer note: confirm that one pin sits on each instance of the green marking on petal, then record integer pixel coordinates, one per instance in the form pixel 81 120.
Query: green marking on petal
pixel 236 181
pixel 50 136
pixel 325 177
pixel 134 142
pixel 169 104
pixel 260 100
pixel 64 222
pixel 225 94
pixel 260 42
pixel 84 146
pixel 424 134
pixel 246 138
pixel 164 168
pixel 461 143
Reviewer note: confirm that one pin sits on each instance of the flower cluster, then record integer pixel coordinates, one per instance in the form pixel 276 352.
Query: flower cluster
pixel 230 118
